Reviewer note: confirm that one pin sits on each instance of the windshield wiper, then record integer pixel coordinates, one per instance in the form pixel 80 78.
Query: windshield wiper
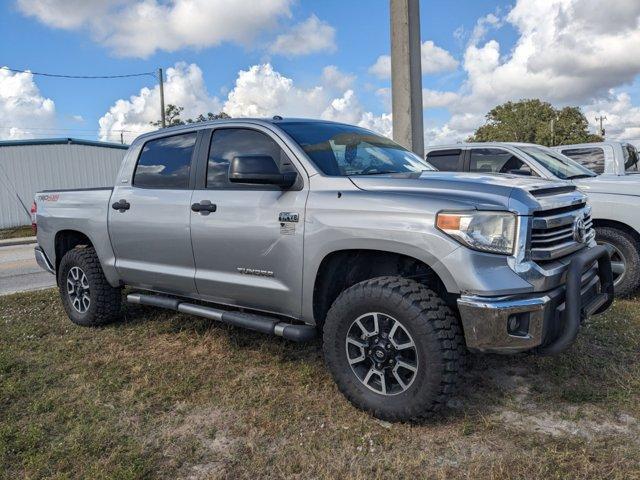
pixel 580 175
pixel 381 172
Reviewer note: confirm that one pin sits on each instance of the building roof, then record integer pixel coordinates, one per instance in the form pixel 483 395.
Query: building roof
pixel 61 141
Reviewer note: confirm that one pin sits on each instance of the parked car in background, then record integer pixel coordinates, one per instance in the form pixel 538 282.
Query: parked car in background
pixel 615 158
pixel 300 228
pixel 615 199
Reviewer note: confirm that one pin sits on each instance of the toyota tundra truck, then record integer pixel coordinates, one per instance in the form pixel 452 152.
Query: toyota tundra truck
pixel 303 228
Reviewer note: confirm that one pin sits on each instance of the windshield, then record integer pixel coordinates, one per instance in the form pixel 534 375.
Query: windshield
pixel 345 150
pixel 630 158
pixel 561 166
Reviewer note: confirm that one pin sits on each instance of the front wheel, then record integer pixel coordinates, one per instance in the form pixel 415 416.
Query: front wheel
pixel 86 295
pixel 394 348
pixel 625 260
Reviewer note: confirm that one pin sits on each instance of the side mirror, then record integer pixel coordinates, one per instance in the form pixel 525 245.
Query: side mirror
pixel 260 170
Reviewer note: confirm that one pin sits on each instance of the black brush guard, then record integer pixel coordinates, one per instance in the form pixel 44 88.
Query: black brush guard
pixel 574 310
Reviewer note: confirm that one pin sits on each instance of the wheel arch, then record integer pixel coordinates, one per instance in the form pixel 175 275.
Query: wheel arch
pixel 66 240
pixel 341 269
pixel 602 222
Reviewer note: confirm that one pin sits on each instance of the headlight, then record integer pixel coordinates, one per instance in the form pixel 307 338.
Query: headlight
pixel 493 232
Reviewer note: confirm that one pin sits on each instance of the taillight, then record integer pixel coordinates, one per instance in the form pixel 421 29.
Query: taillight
pixel 34 222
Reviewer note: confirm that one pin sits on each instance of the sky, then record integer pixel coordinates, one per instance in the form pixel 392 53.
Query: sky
pixel 310 58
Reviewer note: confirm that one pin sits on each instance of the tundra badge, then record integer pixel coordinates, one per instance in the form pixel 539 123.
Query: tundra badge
pixel 288 217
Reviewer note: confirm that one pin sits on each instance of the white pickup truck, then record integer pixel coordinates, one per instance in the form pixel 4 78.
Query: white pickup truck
pixel 615 198
pixel 609 158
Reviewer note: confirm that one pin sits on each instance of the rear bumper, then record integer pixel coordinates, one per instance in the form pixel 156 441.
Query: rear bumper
pixel 42 260
pixel 547 322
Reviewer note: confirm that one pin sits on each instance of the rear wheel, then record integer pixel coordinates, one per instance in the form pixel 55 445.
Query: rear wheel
pixel 394 348
pixel 625 260
pixel 86 295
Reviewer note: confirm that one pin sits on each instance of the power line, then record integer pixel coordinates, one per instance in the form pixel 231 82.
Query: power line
pixel 86 77
pixel 46 129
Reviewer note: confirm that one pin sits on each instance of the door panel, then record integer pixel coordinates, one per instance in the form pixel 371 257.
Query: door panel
pixel 151 235
pixel 152 241
pixel 244 255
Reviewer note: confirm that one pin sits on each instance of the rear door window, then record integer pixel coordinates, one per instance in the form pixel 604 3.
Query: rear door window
pixel 165 162
pixel 496 160
pixel 592 157
pixel 446 160
pixel 630 158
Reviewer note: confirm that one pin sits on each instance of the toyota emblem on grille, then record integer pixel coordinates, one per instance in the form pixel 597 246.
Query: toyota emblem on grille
pixel 580 230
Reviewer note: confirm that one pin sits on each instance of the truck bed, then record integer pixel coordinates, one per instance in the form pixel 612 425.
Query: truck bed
pixel 82 210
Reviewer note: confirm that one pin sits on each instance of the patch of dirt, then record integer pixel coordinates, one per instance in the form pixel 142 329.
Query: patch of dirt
pixel 199 440
pixel 553 424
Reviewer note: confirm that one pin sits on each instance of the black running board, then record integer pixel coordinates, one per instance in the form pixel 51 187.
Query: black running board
pixel 251 321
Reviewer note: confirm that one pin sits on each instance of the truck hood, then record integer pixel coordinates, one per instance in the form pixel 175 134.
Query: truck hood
pixel 610 184
pixel 483 191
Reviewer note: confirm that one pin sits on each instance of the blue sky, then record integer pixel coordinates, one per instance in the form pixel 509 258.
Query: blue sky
pixel 483 53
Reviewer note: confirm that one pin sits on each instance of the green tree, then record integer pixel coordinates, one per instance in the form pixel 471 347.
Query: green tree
pixel 172 117
pixel 535 121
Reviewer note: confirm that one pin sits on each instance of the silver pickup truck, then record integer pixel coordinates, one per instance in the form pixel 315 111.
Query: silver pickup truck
pixel 614 197
pixel 301 228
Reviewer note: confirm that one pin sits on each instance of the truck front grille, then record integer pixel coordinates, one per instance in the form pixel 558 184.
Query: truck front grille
pixel 553 233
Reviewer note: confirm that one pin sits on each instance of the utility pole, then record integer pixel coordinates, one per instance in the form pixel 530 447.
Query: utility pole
pixel 122 137
pixel 600 119
pixel 161 83
pixel 553 132
pixel 406 75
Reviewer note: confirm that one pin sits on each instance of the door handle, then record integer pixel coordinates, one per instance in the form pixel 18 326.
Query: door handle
pixel 121 205
pixel 205 206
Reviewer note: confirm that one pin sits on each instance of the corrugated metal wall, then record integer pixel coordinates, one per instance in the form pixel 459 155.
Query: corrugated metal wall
pixel 26 169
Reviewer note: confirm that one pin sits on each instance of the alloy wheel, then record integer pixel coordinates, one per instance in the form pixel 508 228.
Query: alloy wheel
pixel 381 353
pixel 78 289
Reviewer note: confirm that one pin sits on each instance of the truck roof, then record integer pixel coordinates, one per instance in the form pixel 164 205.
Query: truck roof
pixel 478 144
pixel 275 120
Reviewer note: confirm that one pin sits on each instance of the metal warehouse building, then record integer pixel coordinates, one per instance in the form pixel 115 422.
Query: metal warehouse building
pixel 27 166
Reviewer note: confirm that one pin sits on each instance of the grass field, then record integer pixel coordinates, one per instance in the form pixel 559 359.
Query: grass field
pixel 163 395
pixel 17 232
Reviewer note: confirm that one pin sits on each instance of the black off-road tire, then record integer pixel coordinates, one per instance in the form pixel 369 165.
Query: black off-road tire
pixel 627 247
pixel 105 300
pixel 436 333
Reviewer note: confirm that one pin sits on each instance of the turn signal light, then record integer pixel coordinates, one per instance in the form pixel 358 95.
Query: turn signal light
pixel 446 221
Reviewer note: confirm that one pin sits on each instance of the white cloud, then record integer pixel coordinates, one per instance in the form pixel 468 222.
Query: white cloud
pixel 24 112
pixel 184 87
pixel 622 117
pixel 434 59
pixel 483 25
pixel 260 91
pixel 311 36
pixel 334 78
pixel 138 28
pixel 382 124
pixel 437 99
pixel 382 67
pixel 569 52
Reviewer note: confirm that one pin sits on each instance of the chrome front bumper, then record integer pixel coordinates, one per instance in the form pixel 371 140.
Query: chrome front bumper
pixel 43 261
pixel 514 324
